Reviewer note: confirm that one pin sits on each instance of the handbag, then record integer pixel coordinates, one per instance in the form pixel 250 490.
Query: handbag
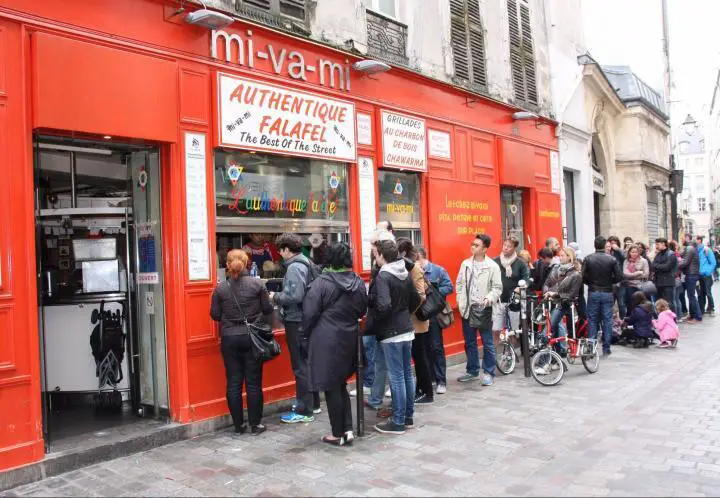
pixel 433 304
pixel 262 338
pixel 446 317
pixel 479 315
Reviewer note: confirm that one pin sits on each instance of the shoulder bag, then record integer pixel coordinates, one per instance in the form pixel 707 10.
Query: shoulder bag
pixel 479 315
pixel 446 317
pixel 434 302
pixel 262 339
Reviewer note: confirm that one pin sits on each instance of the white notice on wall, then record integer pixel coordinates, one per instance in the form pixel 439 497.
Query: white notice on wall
pixel 404 142
pixel 364 129
pixel 555 171
pixel 439 144
pixel 366 173
pixel 271 118
pixel 150 303
pixel 196 207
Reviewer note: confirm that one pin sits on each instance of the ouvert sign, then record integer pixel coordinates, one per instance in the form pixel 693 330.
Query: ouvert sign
pixel 244 51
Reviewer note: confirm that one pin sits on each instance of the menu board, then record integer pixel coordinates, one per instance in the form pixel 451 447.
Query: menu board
pixel 196 207
pixel 364 129
pixel 404 142
pixel 555 171
pixel 366 173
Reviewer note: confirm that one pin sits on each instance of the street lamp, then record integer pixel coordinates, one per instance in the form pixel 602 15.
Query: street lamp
pixel 689 125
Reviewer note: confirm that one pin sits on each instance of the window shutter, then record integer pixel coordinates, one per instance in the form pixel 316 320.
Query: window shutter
pixel 259 4
pixel 467 40
pixel 522 54
pixel 528 56
pixel 293 8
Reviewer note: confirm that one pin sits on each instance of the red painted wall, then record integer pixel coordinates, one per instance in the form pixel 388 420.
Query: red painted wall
pixel 71 66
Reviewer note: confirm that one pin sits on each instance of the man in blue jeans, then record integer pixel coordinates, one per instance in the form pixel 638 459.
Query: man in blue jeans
pixel 600 272
pixel 392 296
pixel 690 266
pixel 479 284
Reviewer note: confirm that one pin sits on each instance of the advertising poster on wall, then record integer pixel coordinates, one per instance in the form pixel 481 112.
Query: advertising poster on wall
pixel 263 117
pixel 368 219
pixel 404 142
pixel 196 207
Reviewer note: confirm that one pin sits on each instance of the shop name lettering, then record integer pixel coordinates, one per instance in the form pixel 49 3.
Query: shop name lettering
pixel 549 214
pixel 464 218
pixel 400 208
pixel 265 203
pixel 288 133
pixel 292 63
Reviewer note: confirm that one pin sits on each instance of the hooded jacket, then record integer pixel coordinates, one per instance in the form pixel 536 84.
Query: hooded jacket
pixel 294 288
pixel 391 297
pixel 706 260
pixel 334 303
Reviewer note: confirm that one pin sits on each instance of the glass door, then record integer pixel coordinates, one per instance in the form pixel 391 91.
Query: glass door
pixel 146 277
pixel 512 214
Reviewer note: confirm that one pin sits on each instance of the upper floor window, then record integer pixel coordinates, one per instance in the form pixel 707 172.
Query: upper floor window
pixel 386 7
pixel 701 204
pixel 522 54
pixel 700 184
pixel 467 39
pixel 258 10
pixel 684 147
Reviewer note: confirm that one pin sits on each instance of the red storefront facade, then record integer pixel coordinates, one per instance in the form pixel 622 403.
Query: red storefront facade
pixel 73 69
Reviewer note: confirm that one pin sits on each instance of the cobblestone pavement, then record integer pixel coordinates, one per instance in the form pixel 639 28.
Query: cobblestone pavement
pixel 646 424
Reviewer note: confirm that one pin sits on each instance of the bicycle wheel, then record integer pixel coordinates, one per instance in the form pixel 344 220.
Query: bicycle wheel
pixel 591 362
pixel 547 367
pixel 505 358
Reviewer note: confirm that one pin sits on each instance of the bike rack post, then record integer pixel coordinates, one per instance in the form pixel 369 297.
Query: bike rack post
pixel 525 323
pixel 359 399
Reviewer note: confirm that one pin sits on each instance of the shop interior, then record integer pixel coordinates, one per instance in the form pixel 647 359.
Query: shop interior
pixel 259 196
pixel 101 316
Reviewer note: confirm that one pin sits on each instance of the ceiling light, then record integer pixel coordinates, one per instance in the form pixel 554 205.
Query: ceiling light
pixel 524 115
pixel 208 19
pixel 370 66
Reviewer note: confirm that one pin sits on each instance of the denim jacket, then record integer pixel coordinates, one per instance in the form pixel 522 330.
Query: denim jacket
pixel 438 276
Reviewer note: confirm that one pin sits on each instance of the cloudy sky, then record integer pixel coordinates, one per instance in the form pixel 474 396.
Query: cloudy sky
pixel 629 32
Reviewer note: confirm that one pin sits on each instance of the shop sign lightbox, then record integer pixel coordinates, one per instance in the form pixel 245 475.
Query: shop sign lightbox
pixel 257 116
pixel 404 142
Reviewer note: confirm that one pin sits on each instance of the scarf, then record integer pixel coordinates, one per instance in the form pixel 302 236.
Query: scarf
pixel 563 269
pixel 507 263
pixel 631 264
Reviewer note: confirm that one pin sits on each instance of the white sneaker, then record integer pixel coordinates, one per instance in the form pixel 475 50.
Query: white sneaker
pixel 366 391
pixel 441 389
pixel 388 394
pixel 542 370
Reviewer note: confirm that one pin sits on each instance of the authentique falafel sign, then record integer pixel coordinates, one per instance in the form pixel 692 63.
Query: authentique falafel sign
pixel 258 116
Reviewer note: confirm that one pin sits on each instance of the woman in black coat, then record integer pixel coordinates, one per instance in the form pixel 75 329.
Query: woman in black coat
pixel 333 304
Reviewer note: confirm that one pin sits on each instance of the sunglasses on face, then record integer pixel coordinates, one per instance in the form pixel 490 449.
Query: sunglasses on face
pixel 476 244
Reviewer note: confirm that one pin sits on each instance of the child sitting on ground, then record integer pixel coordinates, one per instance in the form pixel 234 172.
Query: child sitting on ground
pixel 640 319
pixel 665 326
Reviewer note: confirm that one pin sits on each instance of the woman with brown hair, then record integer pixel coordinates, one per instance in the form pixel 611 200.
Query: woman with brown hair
pixel 236 302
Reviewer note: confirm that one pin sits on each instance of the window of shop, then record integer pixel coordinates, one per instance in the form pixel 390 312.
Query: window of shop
pixel 569 184
pixel 400 203
pixel 259 196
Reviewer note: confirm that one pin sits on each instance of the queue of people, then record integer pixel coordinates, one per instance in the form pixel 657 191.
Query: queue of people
pixel 321 308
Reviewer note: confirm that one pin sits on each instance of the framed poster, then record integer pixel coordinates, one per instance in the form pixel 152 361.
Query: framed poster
pixel 196 207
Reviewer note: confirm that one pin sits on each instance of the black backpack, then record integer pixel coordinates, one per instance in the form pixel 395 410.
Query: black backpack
pixel 314 270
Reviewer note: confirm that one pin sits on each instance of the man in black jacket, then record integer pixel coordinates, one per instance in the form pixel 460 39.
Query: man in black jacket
pixel 664 267
pixel 512 271
pixel 392 296
pixel 600 272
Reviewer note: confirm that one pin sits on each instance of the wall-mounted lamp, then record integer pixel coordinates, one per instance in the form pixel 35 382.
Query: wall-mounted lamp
pixel 208 19
pixel 370 66
pixel 528 116
pixel 689 125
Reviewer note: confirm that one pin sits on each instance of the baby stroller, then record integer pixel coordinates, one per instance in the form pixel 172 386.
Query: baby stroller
pixel 107 343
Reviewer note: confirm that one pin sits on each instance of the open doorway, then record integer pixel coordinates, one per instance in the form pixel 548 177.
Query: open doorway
pixel 512 214
pixel 100 289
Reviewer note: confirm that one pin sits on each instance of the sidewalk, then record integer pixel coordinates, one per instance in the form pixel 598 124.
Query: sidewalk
pixel 646 424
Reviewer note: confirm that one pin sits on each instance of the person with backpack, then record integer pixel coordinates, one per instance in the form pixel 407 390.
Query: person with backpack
pixel 237 302
pixel 334 304
pixel 437 276
pixel 299 274
pixel 707 267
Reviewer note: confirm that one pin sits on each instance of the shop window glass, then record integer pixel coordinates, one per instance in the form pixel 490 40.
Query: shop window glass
pixel 264 186
pixel 400 198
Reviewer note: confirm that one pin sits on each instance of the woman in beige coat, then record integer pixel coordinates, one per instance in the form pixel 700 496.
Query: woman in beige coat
pixel 423 389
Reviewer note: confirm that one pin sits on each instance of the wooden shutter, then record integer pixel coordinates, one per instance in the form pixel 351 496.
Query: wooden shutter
pixel 467 39
pixel 259 4
pixel 293 8
pixel 522 54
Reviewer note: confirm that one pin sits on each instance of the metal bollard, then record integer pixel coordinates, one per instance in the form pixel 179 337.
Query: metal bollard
pixel 525 324
pixel 359 399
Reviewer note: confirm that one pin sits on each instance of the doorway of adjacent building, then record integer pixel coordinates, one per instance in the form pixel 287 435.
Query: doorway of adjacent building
pixel 512 214
pixel 100 290
pixel 569 184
